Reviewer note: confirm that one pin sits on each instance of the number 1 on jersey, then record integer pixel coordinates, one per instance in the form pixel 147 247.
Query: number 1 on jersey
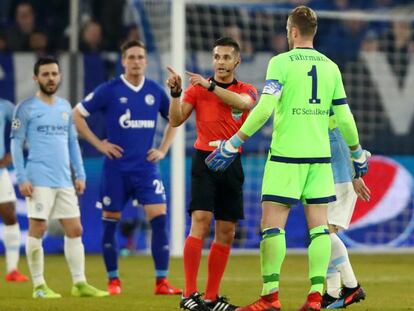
pixel 314 99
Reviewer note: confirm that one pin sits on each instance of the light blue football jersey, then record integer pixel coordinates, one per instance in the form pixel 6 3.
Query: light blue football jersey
pixel 6 114
pixel 52 142
pixel 340 158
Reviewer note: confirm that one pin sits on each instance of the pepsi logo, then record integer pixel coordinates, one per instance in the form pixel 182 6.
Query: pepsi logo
pixel 388 218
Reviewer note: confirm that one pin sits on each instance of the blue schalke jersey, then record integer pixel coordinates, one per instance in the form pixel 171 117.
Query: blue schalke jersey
pixel 130 118
pixel 51 137
pixel 6 114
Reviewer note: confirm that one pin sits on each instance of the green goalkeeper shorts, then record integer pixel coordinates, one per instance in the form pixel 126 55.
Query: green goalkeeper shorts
pixel 290 183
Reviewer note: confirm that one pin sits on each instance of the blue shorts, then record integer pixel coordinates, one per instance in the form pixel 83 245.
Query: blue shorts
pixel 117 188
pixel 341 158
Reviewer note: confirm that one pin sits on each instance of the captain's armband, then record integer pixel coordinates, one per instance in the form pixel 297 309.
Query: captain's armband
pixel 273 87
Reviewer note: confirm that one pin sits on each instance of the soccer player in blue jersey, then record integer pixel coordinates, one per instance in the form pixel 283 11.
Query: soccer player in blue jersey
pixel 131 104
pixel 11 237
pixel 44 122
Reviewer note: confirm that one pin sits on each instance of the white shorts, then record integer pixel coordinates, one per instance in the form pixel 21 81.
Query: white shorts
pixel 52 203
pixel 7 193
pixel 340 212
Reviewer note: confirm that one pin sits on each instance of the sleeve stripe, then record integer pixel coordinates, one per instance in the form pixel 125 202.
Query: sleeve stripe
pixel 82 110
pixel 252 95
pixel 340 101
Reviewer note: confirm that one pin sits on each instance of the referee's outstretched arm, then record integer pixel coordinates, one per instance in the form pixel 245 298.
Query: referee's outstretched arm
pixel 179 112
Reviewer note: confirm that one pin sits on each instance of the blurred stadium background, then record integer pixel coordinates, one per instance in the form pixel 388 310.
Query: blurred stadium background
pixel 371 40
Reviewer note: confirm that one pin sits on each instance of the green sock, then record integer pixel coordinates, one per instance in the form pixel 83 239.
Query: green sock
pixel 272 254
pixel 319 253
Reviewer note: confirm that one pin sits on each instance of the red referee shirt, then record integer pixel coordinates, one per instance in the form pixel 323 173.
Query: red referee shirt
pixel 216 120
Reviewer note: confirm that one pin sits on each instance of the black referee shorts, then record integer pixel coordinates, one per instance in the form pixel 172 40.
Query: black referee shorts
pixel 217 192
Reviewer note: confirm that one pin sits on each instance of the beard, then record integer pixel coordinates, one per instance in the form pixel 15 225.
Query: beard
pixel 45 88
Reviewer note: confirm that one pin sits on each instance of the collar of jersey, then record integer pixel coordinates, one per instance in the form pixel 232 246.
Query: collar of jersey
pixel 304 48
pixel 224 85
pixel 131 86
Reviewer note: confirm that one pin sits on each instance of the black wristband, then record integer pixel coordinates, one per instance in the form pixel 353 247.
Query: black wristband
pixel 175 94
pixel 212 86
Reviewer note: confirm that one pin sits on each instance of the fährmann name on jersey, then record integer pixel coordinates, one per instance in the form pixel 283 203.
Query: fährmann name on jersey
pixel 313 58
pixel 310 112
pixel 126 122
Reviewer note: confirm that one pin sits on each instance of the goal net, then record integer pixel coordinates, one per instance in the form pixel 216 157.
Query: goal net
pixel 375 54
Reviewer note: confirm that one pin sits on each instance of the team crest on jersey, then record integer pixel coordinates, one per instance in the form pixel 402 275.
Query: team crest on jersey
pixel 16 124
pixel 149 99
pixel 65 116
pixel 89 96
pixel 106 200
pixel 123 100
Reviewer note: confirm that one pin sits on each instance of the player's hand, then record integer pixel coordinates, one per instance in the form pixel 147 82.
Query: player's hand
pixel 222 156
pixel 80 186
pixel 174 81
pixel 196 79
pixel 155 155
pixel 26 189
pixel 361 189
pixel 5 161
pixel 110 150
pixel 360 160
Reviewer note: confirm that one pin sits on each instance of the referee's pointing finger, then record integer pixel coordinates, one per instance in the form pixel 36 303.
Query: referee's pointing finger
pixel 189 73
pixel 172 71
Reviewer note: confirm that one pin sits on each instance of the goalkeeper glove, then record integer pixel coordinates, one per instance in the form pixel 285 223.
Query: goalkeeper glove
pixel 360 159
pixel 225 153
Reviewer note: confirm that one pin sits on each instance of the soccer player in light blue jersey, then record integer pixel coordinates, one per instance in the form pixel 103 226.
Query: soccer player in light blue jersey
pixel 131 104
pixel 11 237
pixel 342 287
pixel 44 123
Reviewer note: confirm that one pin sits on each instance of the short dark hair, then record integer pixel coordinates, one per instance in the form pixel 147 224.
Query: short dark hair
pixel 227 41
pixel 305 19
pixel 44 61
pixel 129 44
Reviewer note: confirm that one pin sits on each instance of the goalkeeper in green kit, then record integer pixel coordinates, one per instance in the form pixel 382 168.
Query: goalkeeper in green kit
pixel 302 86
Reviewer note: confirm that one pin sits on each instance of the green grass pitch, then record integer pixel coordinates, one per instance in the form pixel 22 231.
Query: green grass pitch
pixel 387 279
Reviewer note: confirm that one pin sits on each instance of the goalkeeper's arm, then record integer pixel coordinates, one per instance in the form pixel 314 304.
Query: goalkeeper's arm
pixel 258 117
pixel 346 124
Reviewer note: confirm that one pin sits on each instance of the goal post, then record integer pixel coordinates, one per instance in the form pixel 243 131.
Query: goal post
pixel 178 147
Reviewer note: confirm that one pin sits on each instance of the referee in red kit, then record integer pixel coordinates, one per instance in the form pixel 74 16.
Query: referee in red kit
pixel 221 104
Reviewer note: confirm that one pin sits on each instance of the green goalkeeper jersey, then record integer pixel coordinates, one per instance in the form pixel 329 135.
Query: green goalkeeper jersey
pixel 301 86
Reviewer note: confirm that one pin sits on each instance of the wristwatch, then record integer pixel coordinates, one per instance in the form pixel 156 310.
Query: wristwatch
pixel 212 86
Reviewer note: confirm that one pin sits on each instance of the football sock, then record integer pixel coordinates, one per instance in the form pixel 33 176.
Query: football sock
pixel 75 257
pixel 333 282
pixel 217 262
pixel 319 252
pixel 11 241
pixel 340 260
pixel 35 260
pixel 192 256
pixel 272 254
pixel 109 247
pixel 159 246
